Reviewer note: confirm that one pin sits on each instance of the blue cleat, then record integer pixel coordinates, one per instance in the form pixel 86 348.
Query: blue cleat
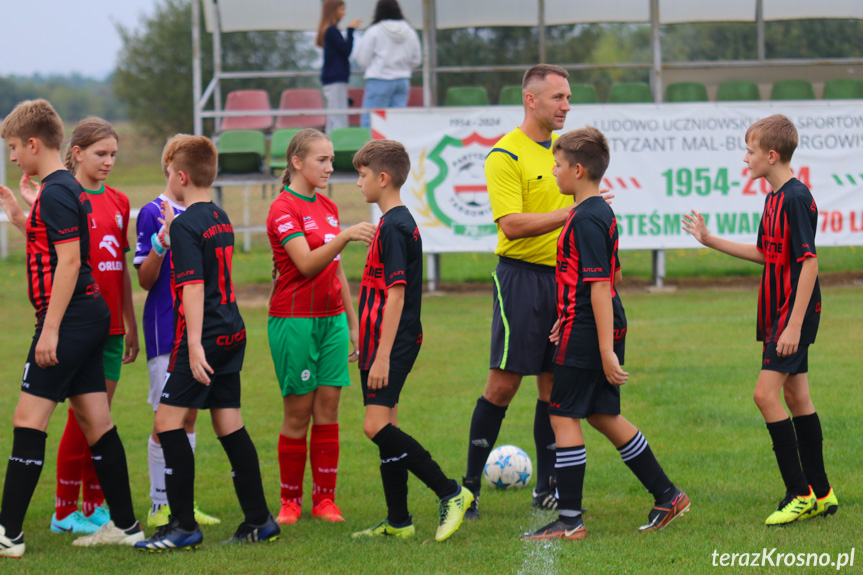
pixel 170 538
pixel 73 523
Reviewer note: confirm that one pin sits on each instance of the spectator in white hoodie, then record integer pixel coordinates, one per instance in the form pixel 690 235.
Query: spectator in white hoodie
pixel 388 52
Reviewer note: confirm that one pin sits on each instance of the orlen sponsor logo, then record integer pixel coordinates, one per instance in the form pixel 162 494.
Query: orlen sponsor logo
pixel 110 243
pixel 110 266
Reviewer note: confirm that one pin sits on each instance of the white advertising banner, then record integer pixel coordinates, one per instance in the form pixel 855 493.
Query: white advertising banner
pixel 665 160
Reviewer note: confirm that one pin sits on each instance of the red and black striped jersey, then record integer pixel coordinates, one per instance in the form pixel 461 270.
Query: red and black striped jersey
pixel 786 237
pixel 202 248
pixel 61 213
pixel 394 257
pixel 586 253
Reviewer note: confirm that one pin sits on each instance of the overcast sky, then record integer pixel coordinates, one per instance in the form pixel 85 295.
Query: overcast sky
pixel 65 36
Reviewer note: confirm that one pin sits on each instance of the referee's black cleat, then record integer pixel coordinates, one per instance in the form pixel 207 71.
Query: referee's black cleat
pixel 663 513
pixel 547 498
pixel 269 530
pixel 472 483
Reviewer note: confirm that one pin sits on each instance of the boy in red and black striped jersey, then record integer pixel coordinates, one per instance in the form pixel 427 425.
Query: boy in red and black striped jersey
pixel 65 359
pixel 390 339
pixel 209 347
pixel 789 309
pixel 590 332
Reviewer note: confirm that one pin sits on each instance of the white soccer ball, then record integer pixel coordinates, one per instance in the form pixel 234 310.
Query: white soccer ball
pixel 508 467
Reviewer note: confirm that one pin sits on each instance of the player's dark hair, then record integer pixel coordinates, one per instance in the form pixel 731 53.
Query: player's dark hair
pixel 299 148
pixel 586 146
pixel 775 133
pixel 86 133
pixel 387 10
pixel 328 18
pixel 196 156
pixel 385 156
pixel 34 119
pixel 541 72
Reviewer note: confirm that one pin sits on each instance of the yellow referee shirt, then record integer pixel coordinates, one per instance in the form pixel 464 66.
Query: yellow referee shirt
pixel 518 172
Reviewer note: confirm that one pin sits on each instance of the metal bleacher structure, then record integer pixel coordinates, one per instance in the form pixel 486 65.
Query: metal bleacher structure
pixel 723 80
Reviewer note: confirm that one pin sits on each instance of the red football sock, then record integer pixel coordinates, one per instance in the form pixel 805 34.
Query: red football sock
pixel 71 453
pixel 292 466
pixel 91 491
pixel 324 456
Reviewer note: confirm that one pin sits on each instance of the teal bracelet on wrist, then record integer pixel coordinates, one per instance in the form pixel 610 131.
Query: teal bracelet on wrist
pixel 156 243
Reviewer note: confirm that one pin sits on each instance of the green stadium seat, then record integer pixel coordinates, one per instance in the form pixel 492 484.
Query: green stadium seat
pixel 346 142
pixel 843 89
pixel 583 94
pixel 686 92
pixel 792 90
pixel 241 151
pixel 466 96
pixel 510 96
pixel 738 92
pixel 279 147
pixel 630 93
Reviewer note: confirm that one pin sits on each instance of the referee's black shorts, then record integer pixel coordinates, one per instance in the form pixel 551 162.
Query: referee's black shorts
pixel 525 309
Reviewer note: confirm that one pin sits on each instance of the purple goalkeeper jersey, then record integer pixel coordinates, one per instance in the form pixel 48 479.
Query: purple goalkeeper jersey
pixel 159 307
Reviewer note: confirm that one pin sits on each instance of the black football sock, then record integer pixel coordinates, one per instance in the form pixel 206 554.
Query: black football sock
pixel 179 476
pixel 569 467
pixel 109 460
pixel 484 429
pixel 785 448
pixel 543 438
pixel 417 459
pixel 638 456
pixel 394 477
pixel 809 445
pixel 246 471
pixel 22 475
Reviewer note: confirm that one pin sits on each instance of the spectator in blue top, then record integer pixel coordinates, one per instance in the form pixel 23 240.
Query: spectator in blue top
pixel 337 70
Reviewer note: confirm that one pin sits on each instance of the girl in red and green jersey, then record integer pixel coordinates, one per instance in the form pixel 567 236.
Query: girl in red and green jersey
pixel 90 158
pixel 311 321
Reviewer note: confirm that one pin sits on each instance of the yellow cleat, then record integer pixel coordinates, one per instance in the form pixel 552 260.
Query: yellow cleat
pixel 793 508
pixel 452 512
pixel 827 505
pixel 384 529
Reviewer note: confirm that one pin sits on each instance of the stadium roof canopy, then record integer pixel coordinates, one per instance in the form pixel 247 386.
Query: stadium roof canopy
pixel 428 15
pixel 245 15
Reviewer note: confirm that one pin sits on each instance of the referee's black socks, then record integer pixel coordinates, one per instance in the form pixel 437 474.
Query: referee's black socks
pixel 246 471
pixel 484 429
pixel 22 475
pixel 109 460
pixel 543 438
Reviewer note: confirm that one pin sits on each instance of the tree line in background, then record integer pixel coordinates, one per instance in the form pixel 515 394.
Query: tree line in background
pixel 152 85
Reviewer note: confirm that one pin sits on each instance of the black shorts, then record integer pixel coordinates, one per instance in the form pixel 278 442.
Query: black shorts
pixel 580 393
pixel 183 390
pixel 794 364
pixel 387 396
pixel 525 309
pixel 79 369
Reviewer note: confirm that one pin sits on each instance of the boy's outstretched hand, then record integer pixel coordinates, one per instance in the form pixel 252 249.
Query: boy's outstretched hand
pixel 694 224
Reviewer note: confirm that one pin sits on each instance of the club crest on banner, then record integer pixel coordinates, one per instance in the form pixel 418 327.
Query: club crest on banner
pixel 458 196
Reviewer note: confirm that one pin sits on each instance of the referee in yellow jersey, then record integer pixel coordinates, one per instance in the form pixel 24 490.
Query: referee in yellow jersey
pixel 529 211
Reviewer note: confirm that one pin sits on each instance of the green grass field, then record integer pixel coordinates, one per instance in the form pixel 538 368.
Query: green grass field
pixel 693 361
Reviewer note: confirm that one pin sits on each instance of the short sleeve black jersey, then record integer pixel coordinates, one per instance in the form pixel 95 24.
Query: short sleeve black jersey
pixel 60 214
pixel 586 253
pixel 394 257
pixel 202 246
pixel 786 237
